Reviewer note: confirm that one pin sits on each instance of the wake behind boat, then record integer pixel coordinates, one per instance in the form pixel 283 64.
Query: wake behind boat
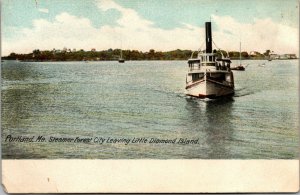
pixel 209 76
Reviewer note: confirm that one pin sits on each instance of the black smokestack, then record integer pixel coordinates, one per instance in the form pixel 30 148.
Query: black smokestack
pixel 208 39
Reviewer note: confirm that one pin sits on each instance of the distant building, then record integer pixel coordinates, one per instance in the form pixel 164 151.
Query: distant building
pixel 283 56
pixel 93 49
pixel 54 51
pixel 74 50
pixel 274 56
pixel 291 56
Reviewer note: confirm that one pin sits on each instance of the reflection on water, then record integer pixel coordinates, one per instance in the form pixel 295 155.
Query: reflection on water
pixel 214 118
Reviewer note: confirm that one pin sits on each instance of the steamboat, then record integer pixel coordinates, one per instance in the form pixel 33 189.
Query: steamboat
pixel 209 75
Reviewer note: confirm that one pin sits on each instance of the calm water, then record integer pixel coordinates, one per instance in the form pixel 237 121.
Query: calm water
pixel 146 100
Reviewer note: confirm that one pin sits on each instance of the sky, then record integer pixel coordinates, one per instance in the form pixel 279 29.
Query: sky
pixel 162 25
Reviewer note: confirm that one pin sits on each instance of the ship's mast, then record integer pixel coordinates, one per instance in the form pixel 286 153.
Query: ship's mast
pixel 240 54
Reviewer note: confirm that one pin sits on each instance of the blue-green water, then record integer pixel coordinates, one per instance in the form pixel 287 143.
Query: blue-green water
pixel 145 99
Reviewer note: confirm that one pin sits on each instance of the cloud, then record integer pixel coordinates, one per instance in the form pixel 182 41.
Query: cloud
pixel 130 18
pixel 43 10
pixel 134 32
pixel 261 35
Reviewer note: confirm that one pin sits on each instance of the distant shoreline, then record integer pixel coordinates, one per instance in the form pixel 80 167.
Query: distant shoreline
pixel 135 55
pixel 3 60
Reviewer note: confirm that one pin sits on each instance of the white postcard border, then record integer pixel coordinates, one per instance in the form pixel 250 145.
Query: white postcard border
pixel 190 176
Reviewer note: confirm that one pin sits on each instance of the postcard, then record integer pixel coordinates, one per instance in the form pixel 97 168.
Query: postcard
pixel 184 96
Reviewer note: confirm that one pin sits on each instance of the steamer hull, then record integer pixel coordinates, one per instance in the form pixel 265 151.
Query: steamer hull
pixel 209 89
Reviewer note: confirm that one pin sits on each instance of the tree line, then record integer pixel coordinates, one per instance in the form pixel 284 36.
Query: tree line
pixel 114 54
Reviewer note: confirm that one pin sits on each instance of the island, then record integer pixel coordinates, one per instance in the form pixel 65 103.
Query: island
pixel 66 54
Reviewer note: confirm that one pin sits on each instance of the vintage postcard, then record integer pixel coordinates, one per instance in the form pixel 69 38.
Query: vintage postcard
pixel 149 96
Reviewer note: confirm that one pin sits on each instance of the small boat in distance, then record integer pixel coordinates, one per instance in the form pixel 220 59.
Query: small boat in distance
pixel 209 75
pixel 240 67
pixel 121 59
